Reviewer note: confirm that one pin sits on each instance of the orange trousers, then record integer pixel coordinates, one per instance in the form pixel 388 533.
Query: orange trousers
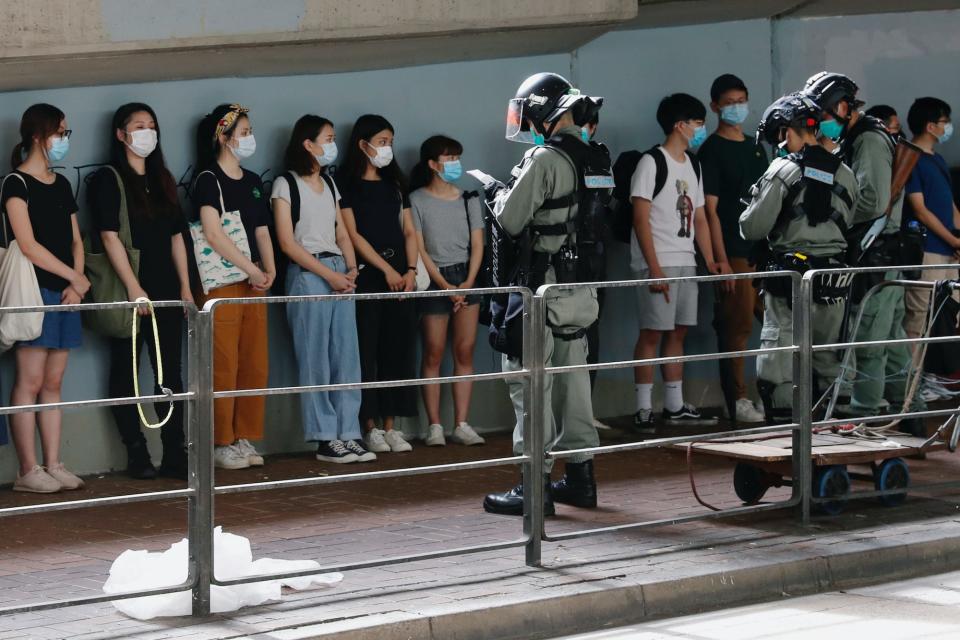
pixel 240 361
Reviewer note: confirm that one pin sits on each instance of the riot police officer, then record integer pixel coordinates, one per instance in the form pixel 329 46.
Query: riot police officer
pixel 540 207
pixel 801 206
pixel 868 148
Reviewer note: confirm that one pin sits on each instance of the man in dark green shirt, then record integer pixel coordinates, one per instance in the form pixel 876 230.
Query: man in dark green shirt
pixel 732 162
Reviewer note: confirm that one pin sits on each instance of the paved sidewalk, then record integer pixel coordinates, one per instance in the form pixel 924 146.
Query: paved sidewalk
pixel 617 578
pixel 920 609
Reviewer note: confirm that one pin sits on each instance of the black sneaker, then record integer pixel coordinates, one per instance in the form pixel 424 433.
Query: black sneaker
pixel 335 451
pixel 687 414
pixel 357 449
pixel 643 421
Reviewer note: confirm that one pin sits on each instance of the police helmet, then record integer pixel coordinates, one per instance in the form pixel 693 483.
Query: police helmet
pixel 828 89
pixel 792 110
pixel 541 100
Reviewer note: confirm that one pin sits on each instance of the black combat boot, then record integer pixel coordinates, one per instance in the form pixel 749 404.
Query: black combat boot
pixel 511 502
pixel 139 466
pixel 577 487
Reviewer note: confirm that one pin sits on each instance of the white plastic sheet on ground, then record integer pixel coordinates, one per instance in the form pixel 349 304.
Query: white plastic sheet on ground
pixel 233 558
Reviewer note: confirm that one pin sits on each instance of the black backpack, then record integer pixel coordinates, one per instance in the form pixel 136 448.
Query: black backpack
pixel 623 170
pixel 280 259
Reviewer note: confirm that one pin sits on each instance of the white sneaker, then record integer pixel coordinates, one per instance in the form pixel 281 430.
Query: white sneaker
pixel 66 479
pixel 253 456
pixel 747 412
pixel 374 441
pixel 464 434
pixel 229 457
pixel 37 480
pixel 435 439
pixel 396 442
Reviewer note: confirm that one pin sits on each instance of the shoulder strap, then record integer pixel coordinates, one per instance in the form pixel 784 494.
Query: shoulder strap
pixel 6 241
pixel 123 214
pixel 660 179
pixel 223 208
pixel 560 145
pixel 695 162
pixel 291 179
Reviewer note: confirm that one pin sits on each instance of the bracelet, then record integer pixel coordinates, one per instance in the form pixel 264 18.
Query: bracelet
pixel 411 269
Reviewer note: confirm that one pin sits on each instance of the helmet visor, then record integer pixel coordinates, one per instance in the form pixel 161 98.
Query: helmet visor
pixel 518 130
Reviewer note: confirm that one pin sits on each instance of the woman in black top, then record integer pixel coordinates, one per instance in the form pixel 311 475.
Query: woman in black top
pixel 156 223
pixel 42 216
pixel 374 203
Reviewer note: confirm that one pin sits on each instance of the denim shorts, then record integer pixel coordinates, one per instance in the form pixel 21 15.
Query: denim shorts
pixel 455 274
pixel 61 330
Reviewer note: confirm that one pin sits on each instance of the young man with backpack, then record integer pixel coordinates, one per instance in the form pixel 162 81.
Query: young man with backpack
pixel 732 162
pixel 668 218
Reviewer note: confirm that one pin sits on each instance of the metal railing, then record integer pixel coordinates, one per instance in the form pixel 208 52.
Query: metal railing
pixel 851 345
pixel 201 394
pixel 796 426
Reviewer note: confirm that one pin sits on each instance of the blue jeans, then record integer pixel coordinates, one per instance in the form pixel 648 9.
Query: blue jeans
pixel 325 341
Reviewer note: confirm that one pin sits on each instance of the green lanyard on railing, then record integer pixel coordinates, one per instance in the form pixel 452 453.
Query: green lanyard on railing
pixel 136 369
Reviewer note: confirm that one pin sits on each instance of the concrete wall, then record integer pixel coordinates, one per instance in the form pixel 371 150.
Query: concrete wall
pixel 632 69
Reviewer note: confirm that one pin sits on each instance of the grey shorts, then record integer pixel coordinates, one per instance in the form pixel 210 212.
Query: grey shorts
pixel 656 313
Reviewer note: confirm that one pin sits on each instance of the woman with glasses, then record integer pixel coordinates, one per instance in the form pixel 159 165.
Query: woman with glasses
pixel 138 186
pixel 222 185
pixel 41 214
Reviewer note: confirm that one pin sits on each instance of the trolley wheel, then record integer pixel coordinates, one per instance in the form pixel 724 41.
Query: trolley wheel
pixel 831 482
pixel 892 474
pixel 750 482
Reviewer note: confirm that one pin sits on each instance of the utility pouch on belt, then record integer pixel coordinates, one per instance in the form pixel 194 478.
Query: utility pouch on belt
pixel 831 288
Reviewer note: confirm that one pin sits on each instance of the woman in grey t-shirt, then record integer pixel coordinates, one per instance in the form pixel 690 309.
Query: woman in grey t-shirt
pixel 450 237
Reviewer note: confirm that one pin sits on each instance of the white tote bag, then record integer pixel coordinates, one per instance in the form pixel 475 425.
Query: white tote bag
pixel 423 277
pixel 215 271
pixel 18 288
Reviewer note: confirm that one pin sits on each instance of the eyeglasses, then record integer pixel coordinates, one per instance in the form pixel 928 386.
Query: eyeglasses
pixel 66 134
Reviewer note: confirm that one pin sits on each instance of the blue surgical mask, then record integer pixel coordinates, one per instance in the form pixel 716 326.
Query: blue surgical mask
pixel 452 170
pixel 699 135
pixel 947 132
pixel 58 151
pixel 735 113
pixel 538 139
pixel 329 155
pixel 782 151
pixel 831 129
pixel 584 134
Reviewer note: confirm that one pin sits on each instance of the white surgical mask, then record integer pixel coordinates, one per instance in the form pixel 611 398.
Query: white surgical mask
pixel 245 147
pixel 329 155
pixel 143 141
pixel 383 158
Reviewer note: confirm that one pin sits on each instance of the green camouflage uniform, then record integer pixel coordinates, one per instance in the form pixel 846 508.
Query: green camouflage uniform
pixel 760 221
pixel 568 409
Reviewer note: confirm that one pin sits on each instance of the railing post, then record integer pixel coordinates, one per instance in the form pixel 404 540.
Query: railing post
pixel 802 299
pixel 533 360
pixel 200 425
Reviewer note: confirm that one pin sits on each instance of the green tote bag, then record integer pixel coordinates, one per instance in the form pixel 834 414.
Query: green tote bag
pixel 105 284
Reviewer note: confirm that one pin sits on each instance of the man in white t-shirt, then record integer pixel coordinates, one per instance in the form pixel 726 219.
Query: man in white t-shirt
pixel 668 217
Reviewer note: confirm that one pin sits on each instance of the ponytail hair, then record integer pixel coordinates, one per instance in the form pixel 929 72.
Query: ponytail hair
pixel 208 137
pixel 431 149
pixel 39 122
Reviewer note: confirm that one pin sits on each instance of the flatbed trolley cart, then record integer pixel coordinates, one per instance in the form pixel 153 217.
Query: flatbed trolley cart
pixel 765 463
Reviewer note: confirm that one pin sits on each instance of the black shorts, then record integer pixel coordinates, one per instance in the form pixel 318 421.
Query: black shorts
pixel 456 275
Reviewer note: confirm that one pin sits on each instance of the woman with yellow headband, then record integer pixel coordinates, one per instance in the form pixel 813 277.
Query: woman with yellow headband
pixel 221 184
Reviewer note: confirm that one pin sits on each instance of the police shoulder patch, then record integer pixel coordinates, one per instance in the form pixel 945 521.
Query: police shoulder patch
pixel 598 182
pixel 819 175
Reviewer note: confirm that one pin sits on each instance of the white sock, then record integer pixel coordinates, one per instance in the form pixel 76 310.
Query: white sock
pixel 644 396
pixel 673 395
